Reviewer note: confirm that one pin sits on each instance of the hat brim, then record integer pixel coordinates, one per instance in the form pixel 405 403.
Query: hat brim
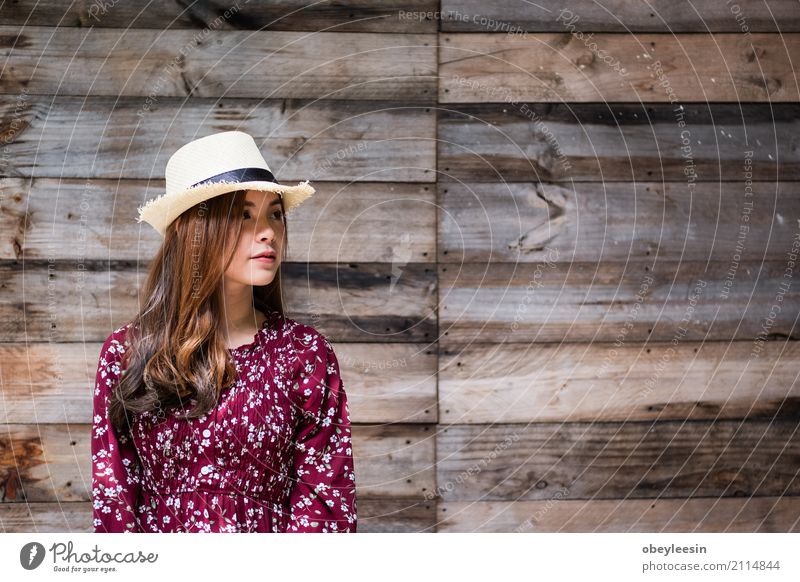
pixel 159 212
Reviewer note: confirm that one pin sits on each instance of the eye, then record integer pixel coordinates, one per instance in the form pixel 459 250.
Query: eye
pixel 278 214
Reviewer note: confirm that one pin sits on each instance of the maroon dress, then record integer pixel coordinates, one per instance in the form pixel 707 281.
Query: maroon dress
pixel 274 455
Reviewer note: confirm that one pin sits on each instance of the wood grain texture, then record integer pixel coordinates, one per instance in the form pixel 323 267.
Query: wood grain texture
pixel 350 16
pixel 341 222
pixel 521 383
pixel 366 302
pixel 45 517
pixel 156 64
pixel 527 243
pixel 779 514
pixel 374 516
pixel 655 68
pixel 370 302
pixel 47 382
pixel 74 137
pixel 52 462
pixel 670 16
pixel 617 221
pixel 638 301
pixel 386 515
pixel 619 461
pixel 601 142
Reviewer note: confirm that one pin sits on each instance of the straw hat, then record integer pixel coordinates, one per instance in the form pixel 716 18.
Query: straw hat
pixel 214 165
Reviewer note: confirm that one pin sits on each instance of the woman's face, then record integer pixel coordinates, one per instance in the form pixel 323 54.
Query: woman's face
pixel 262 231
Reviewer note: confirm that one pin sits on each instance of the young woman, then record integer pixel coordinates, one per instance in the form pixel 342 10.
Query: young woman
pixel 213 412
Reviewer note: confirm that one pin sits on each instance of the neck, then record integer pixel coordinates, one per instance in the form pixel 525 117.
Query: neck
pixel 239 313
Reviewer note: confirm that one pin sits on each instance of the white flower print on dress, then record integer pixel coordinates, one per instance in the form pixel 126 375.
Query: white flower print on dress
pixel 296 473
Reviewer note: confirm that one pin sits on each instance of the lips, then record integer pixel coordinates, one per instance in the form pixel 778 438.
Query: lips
pixel 265 254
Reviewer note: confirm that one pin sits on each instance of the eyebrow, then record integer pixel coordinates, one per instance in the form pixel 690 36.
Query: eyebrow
pixel 275 202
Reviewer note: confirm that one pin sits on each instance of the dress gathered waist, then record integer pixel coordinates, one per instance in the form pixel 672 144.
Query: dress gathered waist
pixel 266 497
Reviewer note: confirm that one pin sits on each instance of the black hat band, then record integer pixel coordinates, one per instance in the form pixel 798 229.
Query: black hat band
pixel 240 175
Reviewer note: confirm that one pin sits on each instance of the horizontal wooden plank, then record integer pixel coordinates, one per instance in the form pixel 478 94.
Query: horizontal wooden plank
pixel 367 302
pixel 390 382
pixel 374 515
pixel 617 221
pixel 154 64
pixel 52 462
pixel 779 514
pixel 651 68
pixel 77 137
pixel 56 517
pixel 600 142
pixel 632 460
pixel 351 16
pixel 101 215
pixel 669 16
pixel 513 383
pixel 387 515
pixel 638 301
pixel 48 382
pixel 397 460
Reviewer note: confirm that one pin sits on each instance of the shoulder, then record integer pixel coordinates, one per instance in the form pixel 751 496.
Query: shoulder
pixel 312 361
pixel 302 340
pixel 115 345
pixel 110 363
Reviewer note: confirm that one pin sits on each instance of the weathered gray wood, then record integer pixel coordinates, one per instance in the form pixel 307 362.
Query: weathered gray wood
pixel 396 515
pixel 398 460
pixel 559 514
pixel 54 517
pixel 416 16
pixel 638 301
pixel 366 302
pixel 534 142
pixel 154 64
pixel 74 137
pixel 391 382
pixel 668 431
pixel 617 221
pixel 640 460
pixel 341 222
pixel 672 16
pixel 374 515
pixel 618 67
pixel 49 382
pixel 514 383
pixel 49 462
pixel 350 16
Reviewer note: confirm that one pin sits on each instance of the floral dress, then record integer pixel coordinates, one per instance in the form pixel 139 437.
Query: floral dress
pixel 274 455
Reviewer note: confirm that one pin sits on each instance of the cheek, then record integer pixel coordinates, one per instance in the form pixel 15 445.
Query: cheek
pixel 240 258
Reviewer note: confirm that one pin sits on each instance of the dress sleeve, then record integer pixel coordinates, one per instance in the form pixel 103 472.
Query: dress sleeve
pixel 116 471
pixel 322 497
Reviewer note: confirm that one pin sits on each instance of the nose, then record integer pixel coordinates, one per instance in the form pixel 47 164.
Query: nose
pixel 266 232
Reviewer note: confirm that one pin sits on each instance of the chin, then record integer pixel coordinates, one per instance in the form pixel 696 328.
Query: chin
pixel 253 277
pixel 263 279
pixel 254 274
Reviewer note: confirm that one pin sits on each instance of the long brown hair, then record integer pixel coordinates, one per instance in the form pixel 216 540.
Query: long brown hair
pixel 174 351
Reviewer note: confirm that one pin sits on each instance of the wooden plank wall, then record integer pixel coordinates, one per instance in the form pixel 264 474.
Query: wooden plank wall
pixel 554 246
